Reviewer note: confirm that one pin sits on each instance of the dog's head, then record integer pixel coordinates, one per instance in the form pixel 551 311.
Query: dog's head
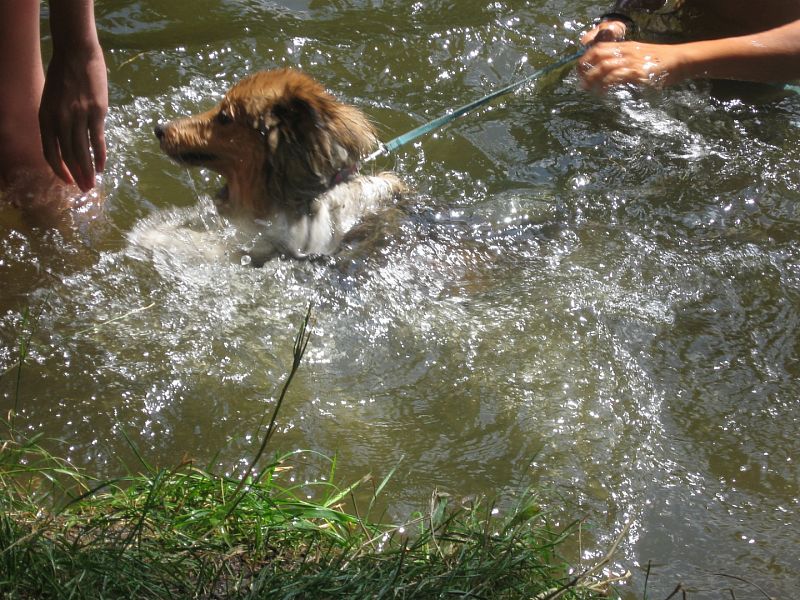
pixel 277 137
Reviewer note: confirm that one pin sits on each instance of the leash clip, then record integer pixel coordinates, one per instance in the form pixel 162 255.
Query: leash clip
pixel 381 151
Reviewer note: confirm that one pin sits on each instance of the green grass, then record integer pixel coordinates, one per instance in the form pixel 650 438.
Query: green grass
pixel 185 532
pixel 173 534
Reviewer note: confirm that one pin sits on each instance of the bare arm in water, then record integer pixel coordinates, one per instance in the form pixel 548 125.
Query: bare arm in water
pixel 766 56
pixel 75 98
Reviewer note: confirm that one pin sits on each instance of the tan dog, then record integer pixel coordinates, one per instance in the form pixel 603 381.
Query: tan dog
pixel 289 152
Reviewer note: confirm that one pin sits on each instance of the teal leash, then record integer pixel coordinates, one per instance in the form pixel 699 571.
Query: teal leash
pixel 401 140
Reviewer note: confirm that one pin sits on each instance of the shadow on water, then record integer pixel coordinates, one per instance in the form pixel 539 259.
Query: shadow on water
pixel 599 296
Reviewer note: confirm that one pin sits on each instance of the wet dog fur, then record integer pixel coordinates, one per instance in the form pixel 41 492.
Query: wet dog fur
pixel 288 151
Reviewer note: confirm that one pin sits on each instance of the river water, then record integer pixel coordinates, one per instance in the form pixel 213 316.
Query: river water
pixel 599 297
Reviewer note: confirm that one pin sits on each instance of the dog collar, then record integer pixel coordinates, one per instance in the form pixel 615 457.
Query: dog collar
pixel 344 174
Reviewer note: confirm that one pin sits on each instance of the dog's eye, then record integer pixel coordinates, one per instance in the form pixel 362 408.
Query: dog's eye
pixel 224 117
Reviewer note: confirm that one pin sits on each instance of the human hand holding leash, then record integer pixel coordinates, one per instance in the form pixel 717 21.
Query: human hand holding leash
pixel 608 64
pixel 609 61
pixel 769 56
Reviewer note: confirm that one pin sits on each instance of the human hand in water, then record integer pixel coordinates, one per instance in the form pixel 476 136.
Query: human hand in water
pixel 72 113
pixel 608 64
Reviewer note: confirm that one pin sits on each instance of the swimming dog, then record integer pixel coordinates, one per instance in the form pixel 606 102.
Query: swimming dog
pixel 289 153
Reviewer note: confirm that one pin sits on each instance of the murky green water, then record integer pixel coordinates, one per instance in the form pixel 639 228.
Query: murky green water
pixel 600 296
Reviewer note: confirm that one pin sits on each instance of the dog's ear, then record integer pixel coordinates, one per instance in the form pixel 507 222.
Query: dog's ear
pixel 300 163
pixel 307 129
pixel 296 114
pixel 311 137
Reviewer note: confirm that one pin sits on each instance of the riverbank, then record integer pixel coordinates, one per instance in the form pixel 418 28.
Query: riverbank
pixel 186 532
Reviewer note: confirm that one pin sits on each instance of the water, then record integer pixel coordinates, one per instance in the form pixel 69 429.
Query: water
pixel 596 296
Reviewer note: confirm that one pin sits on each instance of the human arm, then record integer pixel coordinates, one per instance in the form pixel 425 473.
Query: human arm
pixel 768 56
pixel 75 98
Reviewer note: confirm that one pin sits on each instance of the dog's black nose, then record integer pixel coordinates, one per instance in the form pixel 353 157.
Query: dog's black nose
pixel 159 131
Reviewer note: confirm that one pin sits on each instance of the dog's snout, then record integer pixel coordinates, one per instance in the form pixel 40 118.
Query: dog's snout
pixel 159 131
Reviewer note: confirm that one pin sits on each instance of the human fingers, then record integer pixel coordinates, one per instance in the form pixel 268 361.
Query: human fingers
pixel 97 139
pixel 611 31
pixel 595 77
pixel 606 31
pixel 608 65
pixel 591 67
pixel 612 72
pixel 51 149
pixel 599 72
pixel 587 39
pixel 66 144
pixel 84 176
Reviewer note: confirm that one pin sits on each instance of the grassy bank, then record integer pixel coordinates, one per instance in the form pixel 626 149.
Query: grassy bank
pixel 187 533
pixel 184 533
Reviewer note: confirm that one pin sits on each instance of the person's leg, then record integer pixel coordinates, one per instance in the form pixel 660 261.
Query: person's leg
pixel 21 84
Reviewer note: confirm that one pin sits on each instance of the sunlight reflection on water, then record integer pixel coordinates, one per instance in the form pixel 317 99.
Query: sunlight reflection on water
pixel 598 296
